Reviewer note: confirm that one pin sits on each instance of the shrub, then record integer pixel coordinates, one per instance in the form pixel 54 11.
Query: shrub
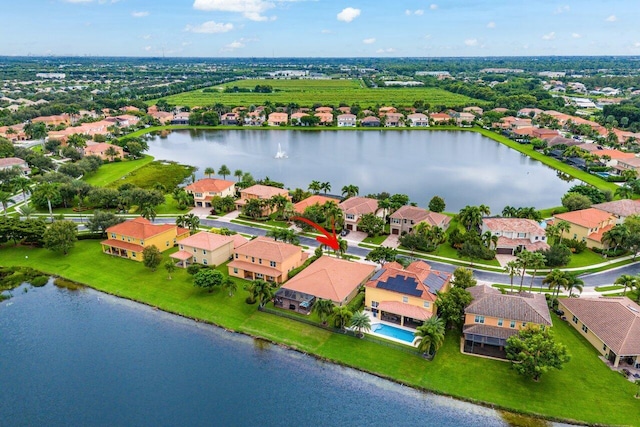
pixel 39 281
pixel 575 245
pixel 194 268
pixel 357 302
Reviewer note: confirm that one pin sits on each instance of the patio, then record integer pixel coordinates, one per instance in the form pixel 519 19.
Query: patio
pixel 630 370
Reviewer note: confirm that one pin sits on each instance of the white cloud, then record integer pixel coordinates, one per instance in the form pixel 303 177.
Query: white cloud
pixel 186 43
pixel 418 12
pixel 576 35
pixel 471 42
pixel 369 41
pixel 407 12
pixel 146 36
pixel 210 27
pixel 636 44
pixel 348 14
pixel 550 36
pixel 491 24
pixel 611 18
pixel 250 9
pixel 427 36
pixel 147 48
pixel 387 50
pixel 237 44
pixel 140 14
pixel 562 9
pixel 433 6
pixel 325 31
pixel 78 1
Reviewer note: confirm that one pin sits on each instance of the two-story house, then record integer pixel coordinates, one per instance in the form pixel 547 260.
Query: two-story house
pixel 278 119
pixel 393 120
pixel 418 120
pixel 229 119
pixel 516 234
pixel 266 259
pixel 207 248
pixel 406 218
pixel 588 225
pixel 128 239
pixel 15 162
pixel 405 296
pixel 492 317
pixel 353 209
pixel 104 150
pixel 464 119
pixel 205 189
pixel 347 120
pixel 263 192
pixel 621 209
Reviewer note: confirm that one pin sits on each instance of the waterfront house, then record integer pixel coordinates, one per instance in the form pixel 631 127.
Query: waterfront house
pixel 278 119
pixel 15 162
pixel 544 133
pixel 296 118
pixel 353 209
pixel 254 118
pixel 477 111
pixel 611 325
pixel 263 192
pixel 326 119
pixel 207 248
pixel 326 278
pixel 324 110
pixel 588 225
pixel 56 120
pixel 316 199
pixel 621 209
pixel 370 121
pixel 529 112
pixel 516 234
pixel 393 120
pixel 437 118
pixel 630 163
pixel 418 120
pixel 181 118
pixel 405 296
pixel 386 110
pixel 205 189
pixel 266 259
pixel 406 218
pixel 492 317
pixel 347 120
pixel 128 239
pixel 229 119
pixel 100 149
pixel 464 119
pixel 164 117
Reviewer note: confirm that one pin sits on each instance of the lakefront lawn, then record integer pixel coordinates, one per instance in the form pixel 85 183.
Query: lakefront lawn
pixel 584 390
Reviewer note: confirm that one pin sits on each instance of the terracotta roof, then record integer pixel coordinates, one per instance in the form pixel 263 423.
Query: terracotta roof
pixel 526 243
pixel 346 117
pixel 419 215
pixel 437 116
pixel 516 225
pixel 100 147
pixel 403 309
pixel 417 116
pixel 312 200
pixel 480 291
pixel 264 191
pixel 330 278
pixel 616 321
pixel 256 268
pixel 278 117
pixel 614 154
pixel 206 240
pixel 489 331
pixel 633 162
pixel 11 161
pixel 206 185
pixel 123 245
pixel 622 208
pixel 523 307
pixel 268 249
pixel 141 228
pixel 324 117
pixel 181 255
pixel 597 236
pixel 238 240
pixel 371 119
pixel 418 280
pixel 589 218
pixel 359 205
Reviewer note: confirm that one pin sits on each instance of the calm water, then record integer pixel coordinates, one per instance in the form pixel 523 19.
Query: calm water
pixel 463 167
pixel 82 358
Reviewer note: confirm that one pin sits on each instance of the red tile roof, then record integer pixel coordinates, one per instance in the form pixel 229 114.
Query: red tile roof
pixel 264 191
pixel 312 200
pixel 417 273
pixel 206 240
pixel 419 215
pixel 206 185
pixel 141 228
pixel 589 218
pixel 269 249
pixel 359 205
pixel 403 309
pixel 123 245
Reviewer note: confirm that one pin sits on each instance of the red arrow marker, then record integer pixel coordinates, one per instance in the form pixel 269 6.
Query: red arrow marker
pixel 329 239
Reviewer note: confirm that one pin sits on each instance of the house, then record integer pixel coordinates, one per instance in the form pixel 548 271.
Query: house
pixel 474 110
pixel 345 110
pixel 543 133
pixel 437 118
pixel 15 162
pixel 128 239
pixel 325 118
pixel 493 317
pixel 418 120
pixel 464 119
pixel 406 218
pixel 611 325
pixel 632 163
pixel 370 121
pixel 163 117
pixel 229 119
pixel 254 118
pixel 588 225
pixel 621 209
pixel 263 192
pixel 100 149
pixel 266 259
pixel 316 199
pixel 181 119
pixel 324 110
pixel 205 189
pixel 516 234
pixel 207 248
pixel 61 119
pixel 295 118
pixel 347 120
pixel 386 110
pixel 353 209
pixel 326 278
pixel 405 296
pixel 393 120
pixel 278 119
pixel 529 112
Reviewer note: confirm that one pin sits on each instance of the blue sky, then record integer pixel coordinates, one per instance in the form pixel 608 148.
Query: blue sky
pixel 334 28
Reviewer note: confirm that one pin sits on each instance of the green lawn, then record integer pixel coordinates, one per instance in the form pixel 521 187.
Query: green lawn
pixel 324 92
pixel 609 288
pixel 516 286
pixel 375 240
pixel 110 172
pixel 584 259
pixel 169 174
pixel 585 390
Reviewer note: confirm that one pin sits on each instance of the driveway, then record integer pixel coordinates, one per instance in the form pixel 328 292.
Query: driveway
pixel 503 259
pixel 391 241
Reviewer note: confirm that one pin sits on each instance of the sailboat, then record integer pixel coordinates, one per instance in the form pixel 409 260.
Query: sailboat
pixel 281 154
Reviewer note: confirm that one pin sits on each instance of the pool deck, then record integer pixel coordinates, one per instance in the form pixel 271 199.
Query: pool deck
pixel 376 321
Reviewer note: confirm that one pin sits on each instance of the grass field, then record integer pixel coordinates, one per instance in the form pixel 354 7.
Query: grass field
pixel 584 390
pixel 168 174
pixel 325 92
pixel 110 172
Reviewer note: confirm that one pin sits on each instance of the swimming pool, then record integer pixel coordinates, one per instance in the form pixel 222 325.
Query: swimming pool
pixel 393 332
pixel 604 175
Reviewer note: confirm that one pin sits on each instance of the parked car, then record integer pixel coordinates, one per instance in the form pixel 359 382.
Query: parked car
pixel 558 312
pixel 626 372
pixel 344 232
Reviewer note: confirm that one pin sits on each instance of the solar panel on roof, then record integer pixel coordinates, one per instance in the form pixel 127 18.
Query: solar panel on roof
pixel 402 285
pixel 377 274
pixel 434 282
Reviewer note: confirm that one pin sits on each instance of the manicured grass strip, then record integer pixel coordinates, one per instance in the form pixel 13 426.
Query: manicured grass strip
pixel 585 390
pixel 111 172
pixel 169 174
pixel 516 288
pixel 375 240
pixel 608 288
pixel 585 259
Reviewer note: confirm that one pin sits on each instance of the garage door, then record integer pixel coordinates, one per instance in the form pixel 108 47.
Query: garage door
pixel 504 251
pixel 395 231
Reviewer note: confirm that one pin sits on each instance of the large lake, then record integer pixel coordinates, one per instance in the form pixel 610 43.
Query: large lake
pixel 83 358
pixel 465 168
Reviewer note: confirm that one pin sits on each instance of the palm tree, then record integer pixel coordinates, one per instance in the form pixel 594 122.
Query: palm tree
pixel 563 226
pixel 430 336
pixel 552 232
pixel 238 174
pixel 23 184
pixel 511 269
pixel 625 191
pixel 148 212
pixel 524 259
pixel 229 285
pixel 573 283
pixel 262 291
pixel 323 308
pixel 209 171
pixel 471 217
pixel 509 211
pixel 192 222
pixel 27 210
pixel 341 316
pixel 361 322
pixel 537 260
pixel 5 199
pixel 616 236
pixel 315 187
pixel 49 191
pixel 556 279
pixel 111 152
pixel 224 171
pixel 350 191
pixel 325 186
pixel 279 202
pixel 628 281
pixel 342 246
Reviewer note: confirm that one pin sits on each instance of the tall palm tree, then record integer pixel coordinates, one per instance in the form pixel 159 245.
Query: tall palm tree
pixel 342 246
pixel 148 212
pixel 524 260
pixel 279 202
pixel 315 187
pixel 471 217
pixel 192 222
pixel 562 227
pixel 350 191
pixel 628 281
pixel 27 210
pixel 361 322
pixel 238 174
pixel 49 191
pixel 385 205
pixel 511 269
pixel 229 285
pixel 23 184
pixel 341 316
pixel 224 171
pixel 573 283
pixel 325 187
pixel 262 291
pixel 537 260
pixel 552 232
pixel 616 236
pixel 556 279
pixel 5 199
pixel 323 308
pixel 209 171
pixel 430 336
pixel 509 212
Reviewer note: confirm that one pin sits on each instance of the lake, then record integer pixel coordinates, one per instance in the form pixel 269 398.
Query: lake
pixel 83 358
pixel 465 168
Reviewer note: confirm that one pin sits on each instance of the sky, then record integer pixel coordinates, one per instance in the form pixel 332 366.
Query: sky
pixel 319 28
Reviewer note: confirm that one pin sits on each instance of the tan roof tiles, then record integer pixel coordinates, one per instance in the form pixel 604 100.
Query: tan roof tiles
pixel 523 307
pixel 359 205
pixel 590 218
pixel 207 185
pixel 266 248
pixel 140 228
